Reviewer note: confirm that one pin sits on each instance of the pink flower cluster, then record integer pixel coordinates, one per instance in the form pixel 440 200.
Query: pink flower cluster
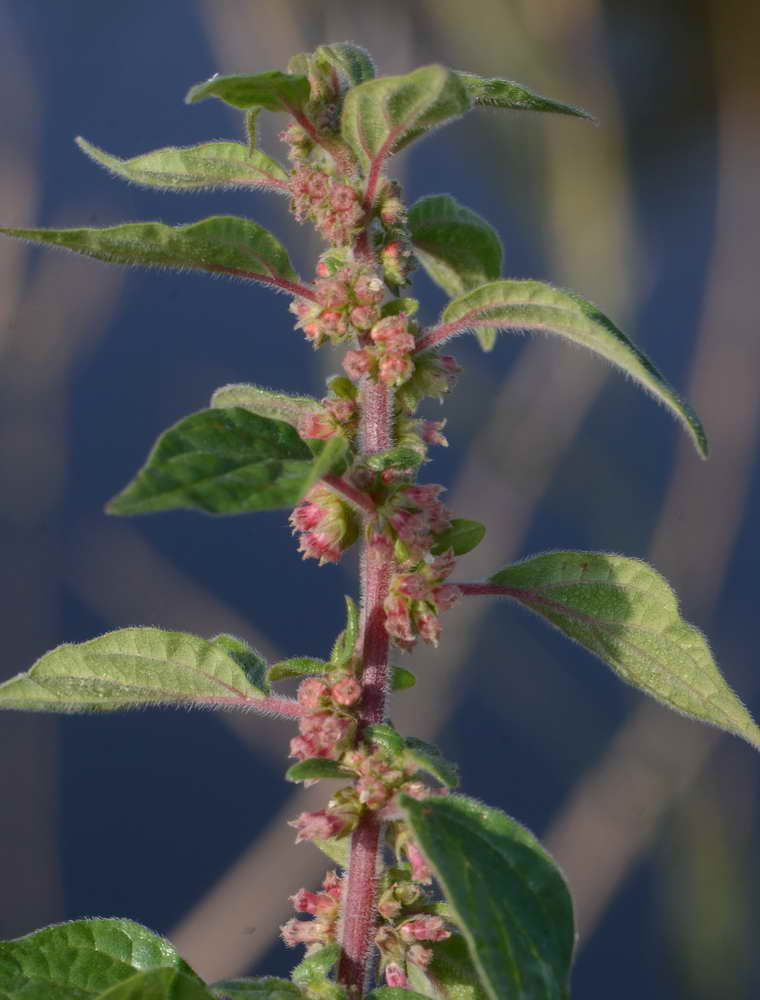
pixel 400 945
pixel 327 525
pixel 379 777
pixel 323 906
pixel 333 205
pixel 434 375
pixel 339 416
pixel 389 358
pixel 339 818
pixel 347 304
pixel 323 731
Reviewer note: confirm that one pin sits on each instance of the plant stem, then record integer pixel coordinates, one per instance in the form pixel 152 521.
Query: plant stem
pixel 360 881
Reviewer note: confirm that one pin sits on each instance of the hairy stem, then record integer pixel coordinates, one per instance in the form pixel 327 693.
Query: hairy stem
pixel 360 882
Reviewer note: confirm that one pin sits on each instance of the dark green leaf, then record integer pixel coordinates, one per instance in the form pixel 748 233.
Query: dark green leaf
pixel 84 958
pixel 344 646
pixel 509 898
pixel 265 402
pixel 394 458
pixel 274 91
pixel 156 984
pixel 316 767
pixel 353 63
pixel 381 116
pixel 462 537
pixel 457 248
pixel 394 993
pixel 135 667
pixel 263 988
pixel 451 974
pixel 223 244
pixel 329 458
pixel 401 679
pixel 385 736
pixel 532 305
pixel 297 666
pixel 221 462
pixel 625 613
pixel 495 93
pixel 395 306
pixel 192 168
pixel 429 758
pixel 313 970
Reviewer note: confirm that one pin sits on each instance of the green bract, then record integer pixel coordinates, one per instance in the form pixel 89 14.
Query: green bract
pixel 507 895
pixel 273 91
pixel 625 613
pixel 134 667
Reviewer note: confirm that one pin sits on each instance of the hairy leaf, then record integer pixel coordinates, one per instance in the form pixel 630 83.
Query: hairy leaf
pixel 329 458
pixel 337 850
pixel 496 93
pixel 136 667
pixel 274 91
pixel 265 402
pixel 84 958
pixel 385 736
pixel 457 248
pixel 394 993
pixel 394 458
pixel 223 244
pixel 401 679
pixel 451 974
pixel 429 758
pixel 532 305
pixel 625 613
pixel 343 648
pixel 463 536
pixel 225 461
pixel 313 970
pixel 381 116
pixel 261 988
pixel 192 168
pixel 157 984
pixel 508 896
pixel 297 666
pixel 353 63
pixel 316 767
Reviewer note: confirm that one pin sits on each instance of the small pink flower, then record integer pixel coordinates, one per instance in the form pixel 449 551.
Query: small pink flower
pixel 413 585
pixel 395 976
pixel 311 693
pixel 429 627
pixel 363 317
pixel 346 691
pixel 301 932
pixel 419 955
pixel 446 597
pixel 343 410
pixel 305 902
pixel 320 825
pixel 317 425
pixel 421 870
pixel 427 928
pixel 357 363
pixel 368 289
pixel 343 197
pixel 431 432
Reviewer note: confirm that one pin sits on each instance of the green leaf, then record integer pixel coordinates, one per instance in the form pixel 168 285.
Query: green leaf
pixel 353 63
pixel 157 984
pixel 625 613
pixel 343 648
pixel 193 168
pixel 314 768
pixel 135 667
pixel 297 666
pixel 329 458
pixel 223 244
pixel 458 249
pixel 85 958
pixel 336 850
pixel 403 305
pixel 313 970
pixel 274 91
pixel 381 116
pixel 394 458
pixel 532 305
pixel 462 537
pixel 509 898
pixel 265 402
pixel 385 736
pixel 496 93
pixel 401 679
pixel 451 974
pixel 261 988
pixel 429 758
pixel 222 462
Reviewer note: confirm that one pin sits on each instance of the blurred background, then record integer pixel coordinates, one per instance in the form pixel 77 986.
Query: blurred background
pixel 177 819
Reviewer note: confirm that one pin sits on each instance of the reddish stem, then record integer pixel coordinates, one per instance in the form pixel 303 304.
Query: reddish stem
pixel 272 705
pixel 360 881
pixel 354 496
pixel 439 334
pixel 287 286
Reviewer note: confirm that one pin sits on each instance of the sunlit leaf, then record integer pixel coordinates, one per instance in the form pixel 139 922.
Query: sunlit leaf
pixel 401 679
pixel 507 895
pixel 462 537
pixel 210 165
pixel 225 461
pixel 136 667
pixel 274 91
pixel 261 988
pixel 223 244
pixel 265 402
pixel 381 116
pixel 156 984
pixel 532 305
pixel 496 93
pixel 625 613
pixel 429 758
pixel 352 62
pixel 84 959
pixel 297 666
pixel 316 767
